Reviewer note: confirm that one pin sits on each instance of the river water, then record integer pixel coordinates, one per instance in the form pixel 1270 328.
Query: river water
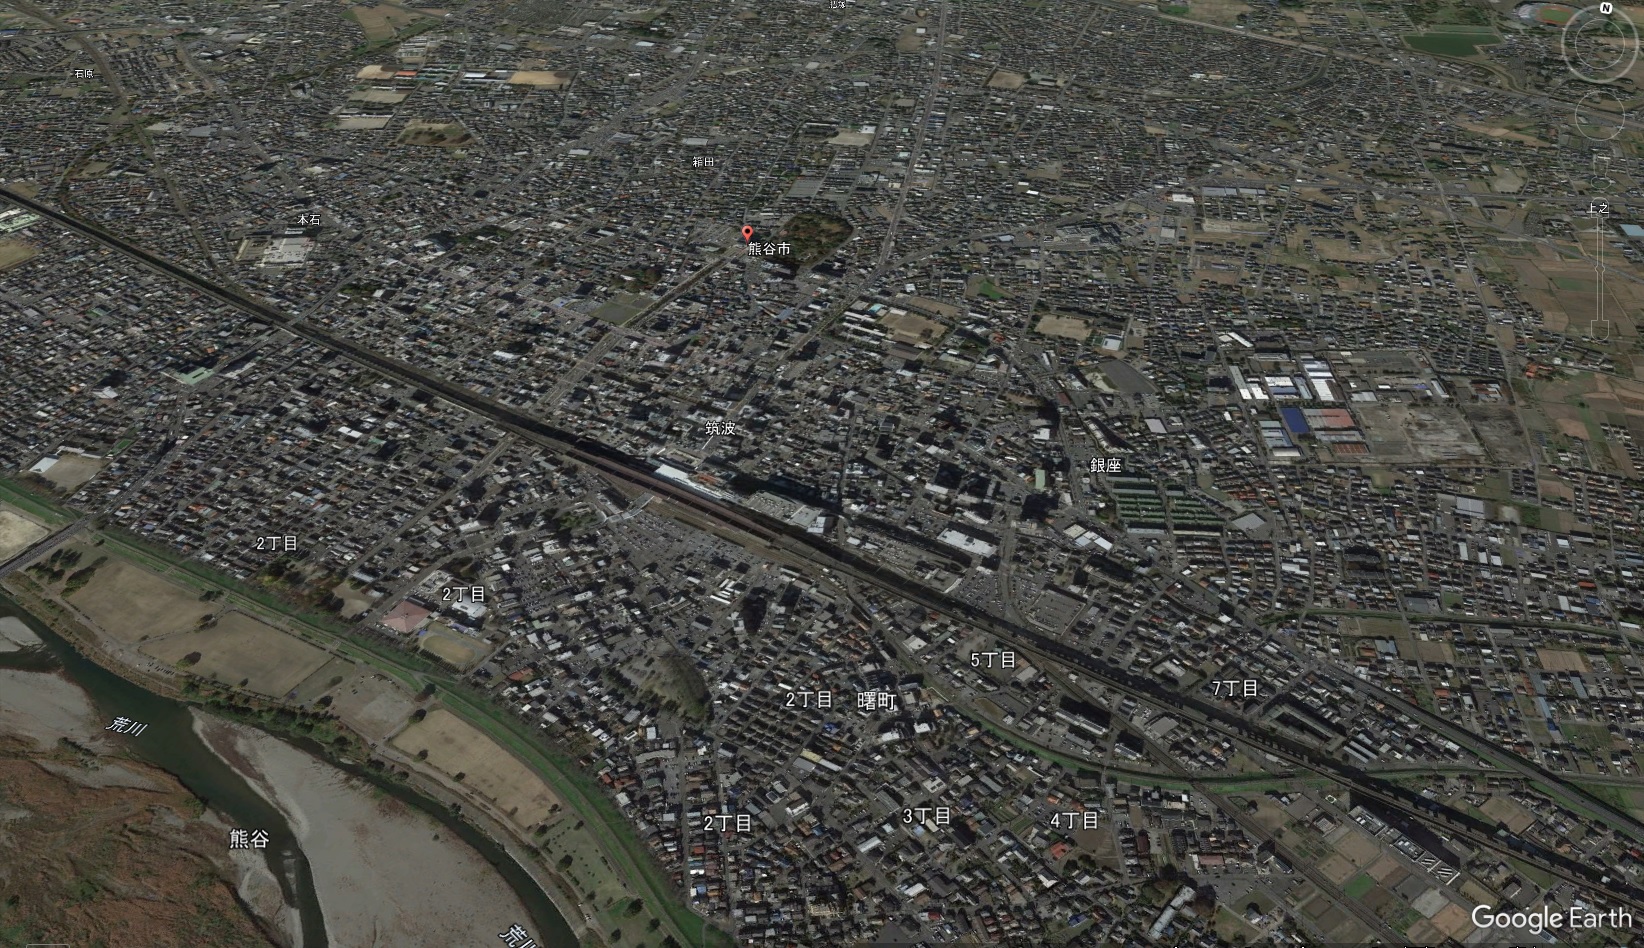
pixel 171 744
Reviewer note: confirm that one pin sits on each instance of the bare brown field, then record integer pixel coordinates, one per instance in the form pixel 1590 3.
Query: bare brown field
pixel 1064 327
pixel 1413 432
pixel 14 252
pixel 363 122
pixel 1269 815
pixel 549 79
pixel 1497 428
pixel 1007 80
pixel 913 36
pixel 454 647
pixel 927 306
pixel 1620 396
pixel 1503 810
pixel 372 704
pixel 1358 849
pixel 243 648
pixel 17 532
pixel 328 676
pixel 378 96
pixel 354 601
pixel 1562 660
pixel 130 603
pixel 456 747
pixel 912 328
pixel 72 470
pixel 1453 921
pixel 1337 869
pixel 383 22
pixel 1384 869
pixel 1224 12
pixel 1496 131
pixel 1566 421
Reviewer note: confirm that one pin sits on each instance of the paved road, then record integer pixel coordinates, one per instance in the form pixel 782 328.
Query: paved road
pixel 37 550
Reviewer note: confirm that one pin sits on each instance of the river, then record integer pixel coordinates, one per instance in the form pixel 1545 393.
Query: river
pixel 182 754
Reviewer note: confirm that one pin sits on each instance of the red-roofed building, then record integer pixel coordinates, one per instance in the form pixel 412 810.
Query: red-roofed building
pixel 406 617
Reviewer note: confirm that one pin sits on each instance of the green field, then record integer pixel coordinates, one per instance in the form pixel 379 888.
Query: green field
pixel 1458 44
pixel 1359 886
pixel 621 308
pixel 34 502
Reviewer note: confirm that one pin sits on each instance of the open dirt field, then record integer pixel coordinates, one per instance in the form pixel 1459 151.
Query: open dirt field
pixel 1414 432
pixel 243 648
pixel 1453 921
pixel 17 533
pixel 1562 660
pixel 1337 869
pixel 14 252
pixel 378 96
pixel 383 22
pixel 372 704
pixel 912 328
pixel 454 647
pixel 1497 428
pixel 130 603
pixel 1064 327
pixel 72 470
pixel 1503 810
pixel 363 122
pixel 1499 131
pixel 1358 849
pixel 1620 396
pixel 1572 428
pixel 546 79
pixel 354 601
pixel 1007 80
pixel 454 747
pixel 1224 12
pixel 327 677
pixel 913 36
pixel 1387 871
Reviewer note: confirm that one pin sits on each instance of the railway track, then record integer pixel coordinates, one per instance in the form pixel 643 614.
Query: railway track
pixel 827 556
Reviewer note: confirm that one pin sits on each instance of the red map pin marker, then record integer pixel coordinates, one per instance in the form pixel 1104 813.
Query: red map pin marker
pixel 747 232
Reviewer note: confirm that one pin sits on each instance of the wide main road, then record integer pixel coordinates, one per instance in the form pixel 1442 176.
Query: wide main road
pixel 741 525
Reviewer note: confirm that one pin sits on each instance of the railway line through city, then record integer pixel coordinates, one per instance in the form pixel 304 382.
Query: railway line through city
pixel 743 526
